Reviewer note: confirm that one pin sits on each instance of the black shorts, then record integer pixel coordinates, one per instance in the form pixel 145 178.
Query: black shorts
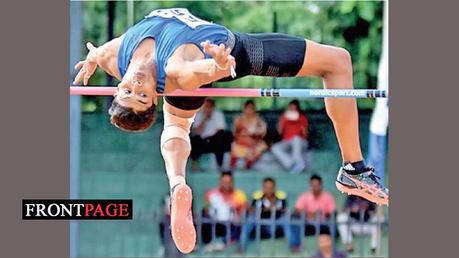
pixel 267 54
pixel 262 54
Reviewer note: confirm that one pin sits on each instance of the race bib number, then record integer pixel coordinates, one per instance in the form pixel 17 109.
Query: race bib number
pixel 181 14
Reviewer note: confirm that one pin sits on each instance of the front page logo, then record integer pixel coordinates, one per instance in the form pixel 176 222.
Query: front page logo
pixel 76 209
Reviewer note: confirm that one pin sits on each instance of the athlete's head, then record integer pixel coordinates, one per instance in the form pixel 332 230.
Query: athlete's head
pixel 134 106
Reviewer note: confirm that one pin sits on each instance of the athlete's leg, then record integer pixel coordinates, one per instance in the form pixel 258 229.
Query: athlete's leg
pixel 280 55
pixel 175 149
pixel 175 142
pixel 334 65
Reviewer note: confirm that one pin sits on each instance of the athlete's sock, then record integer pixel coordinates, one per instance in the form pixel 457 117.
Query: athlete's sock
pixel 176 180
pixel 355 168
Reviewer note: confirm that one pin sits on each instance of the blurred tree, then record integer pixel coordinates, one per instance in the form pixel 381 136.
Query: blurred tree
pixel 110 36
pixel 354 25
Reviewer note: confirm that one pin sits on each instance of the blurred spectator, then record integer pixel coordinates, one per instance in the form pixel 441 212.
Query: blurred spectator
pixel 224 204
pixel 358 217
pixel 293 127
pixel 316 200
pixel 249 130
pixel 209 135
pixel 317 205
pixel 326 249
pixel 266 203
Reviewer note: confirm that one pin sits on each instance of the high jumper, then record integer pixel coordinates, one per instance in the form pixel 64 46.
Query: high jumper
pixel 172 49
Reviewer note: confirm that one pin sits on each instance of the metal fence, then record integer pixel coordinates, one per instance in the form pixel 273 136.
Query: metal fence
pixel 143 237
pixel 288 220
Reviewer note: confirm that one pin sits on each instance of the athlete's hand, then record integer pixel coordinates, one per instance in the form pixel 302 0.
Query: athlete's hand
pixel 220 54
pixel 88 66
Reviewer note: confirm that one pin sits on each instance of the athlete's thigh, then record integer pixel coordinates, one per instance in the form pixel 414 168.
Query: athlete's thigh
pixel 318 59
pixel 187 103
pixel 268 54
pixel 179 111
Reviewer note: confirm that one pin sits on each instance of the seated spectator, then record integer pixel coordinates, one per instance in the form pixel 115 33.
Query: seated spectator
pixel 315 204
pixel 223 204
pixel 249 130
pixel 325 246
pixel 209 135
pixel 349 221
pixel 264 203
pixel 293 128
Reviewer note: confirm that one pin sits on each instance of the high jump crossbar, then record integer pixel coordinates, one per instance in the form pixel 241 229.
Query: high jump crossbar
pixel 246 92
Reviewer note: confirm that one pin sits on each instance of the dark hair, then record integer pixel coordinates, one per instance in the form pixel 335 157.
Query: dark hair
pixel 296 103
pixel 269 179
pixel 249 102
pixel 128 120
pixel 226 173
pixel 315 177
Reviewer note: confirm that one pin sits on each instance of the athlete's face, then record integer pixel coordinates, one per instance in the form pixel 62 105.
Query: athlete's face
pixel 137 91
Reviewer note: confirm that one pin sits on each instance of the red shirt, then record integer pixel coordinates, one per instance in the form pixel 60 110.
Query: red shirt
pixel 291 128
pixel 325 203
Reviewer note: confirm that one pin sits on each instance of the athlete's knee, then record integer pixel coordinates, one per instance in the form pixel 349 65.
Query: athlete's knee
pixel 342 60
pixel 175 137
pixel 338 62
pixel 175 149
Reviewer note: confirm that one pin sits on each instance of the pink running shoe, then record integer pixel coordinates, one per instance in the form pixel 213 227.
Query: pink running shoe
pixel 365 185
pixel 182 227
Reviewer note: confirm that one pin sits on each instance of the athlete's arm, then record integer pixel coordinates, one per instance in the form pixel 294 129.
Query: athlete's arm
pixel 192 74
pixel 105 56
